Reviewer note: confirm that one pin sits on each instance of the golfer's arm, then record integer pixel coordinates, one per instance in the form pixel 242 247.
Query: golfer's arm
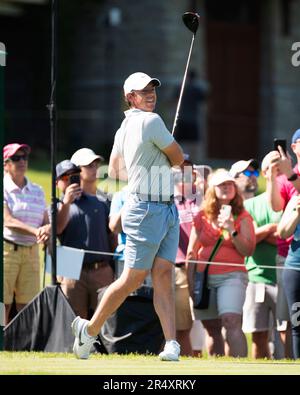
pixel 117 168
pixel 174 154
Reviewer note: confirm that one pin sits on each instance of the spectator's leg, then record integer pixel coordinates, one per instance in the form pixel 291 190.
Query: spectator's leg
pixel 7 311
pixel 214 338
pixel 183 338
pixel 260 345
pixel 235 337
pixel 291 283
pixel 164 298
pixel 286 338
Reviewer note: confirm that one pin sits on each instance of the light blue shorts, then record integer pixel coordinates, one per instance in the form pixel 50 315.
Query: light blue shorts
pixel 227 295
pixel 152 230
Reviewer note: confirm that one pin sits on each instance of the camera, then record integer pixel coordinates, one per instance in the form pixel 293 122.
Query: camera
pixel 74 179
pixel 280 142
pixel 226 211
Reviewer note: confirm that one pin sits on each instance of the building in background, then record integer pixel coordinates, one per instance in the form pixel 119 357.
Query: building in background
pixel 242 56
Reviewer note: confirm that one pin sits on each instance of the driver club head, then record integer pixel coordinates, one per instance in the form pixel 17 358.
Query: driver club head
pixel 191 21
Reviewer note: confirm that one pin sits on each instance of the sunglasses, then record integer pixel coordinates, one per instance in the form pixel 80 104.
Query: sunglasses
pixel 66 177
pixel 17 158
pixel 250 173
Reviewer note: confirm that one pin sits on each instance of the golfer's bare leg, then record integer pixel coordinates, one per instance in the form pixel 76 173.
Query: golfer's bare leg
pixel 164 296
pixel 114 296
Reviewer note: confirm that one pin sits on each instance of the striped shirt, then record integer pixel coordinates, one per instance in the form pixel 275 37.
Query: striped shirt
pixel 26 204
pixel 187 211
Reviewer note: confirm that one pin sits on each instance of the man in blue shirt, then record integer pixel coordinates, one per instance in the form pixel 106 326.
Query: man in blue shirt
pixel 82 222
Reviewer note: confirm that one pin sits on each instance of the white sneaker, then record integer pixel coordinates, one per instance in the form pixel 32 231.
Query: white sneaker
pixel 171 351
pixel 83 343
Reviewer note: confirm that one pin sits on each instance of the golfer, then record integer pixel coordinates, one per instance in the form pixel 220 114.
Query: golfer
pixel 143 153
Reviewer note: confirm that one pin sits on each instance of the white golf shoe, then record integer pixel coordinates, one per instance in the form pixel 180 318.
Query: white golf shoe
pixel 171 351
pixel 83 343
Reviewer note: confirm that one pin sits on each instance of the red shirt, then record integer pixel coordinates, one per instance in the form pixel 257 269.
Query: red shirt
pixel 227 253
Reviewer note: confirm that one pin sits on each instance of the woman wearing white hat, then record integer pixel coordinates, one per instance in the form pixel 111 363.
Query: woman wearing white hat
pixel 227 283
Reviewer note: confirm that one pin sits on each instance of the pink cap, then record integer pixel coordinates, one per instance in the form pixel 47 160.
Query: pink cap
pixel 10 149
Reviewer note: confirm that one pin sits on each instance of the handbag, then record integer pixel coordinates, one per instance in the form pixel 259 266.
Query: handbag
pixel 200 290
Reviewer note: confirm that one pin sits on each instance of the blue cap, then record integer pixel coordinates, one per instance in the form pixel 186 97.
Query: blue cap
pixel 66 166
pixel 296 136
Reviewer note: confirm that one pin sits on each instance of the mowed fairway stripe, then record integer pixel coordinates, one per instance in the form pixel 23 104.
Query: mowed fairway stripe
pixel 45 363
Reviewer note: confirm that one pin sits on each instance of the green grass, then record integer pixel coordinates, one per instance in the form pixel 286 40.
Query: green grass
pixel 65 364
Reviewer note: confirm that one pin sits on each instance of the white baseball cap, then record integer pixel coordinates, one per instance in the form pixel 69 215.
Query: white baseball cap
pixel 270 158
pixel 85 156
pixel 219 177
pixel 241 165
pixel 138 81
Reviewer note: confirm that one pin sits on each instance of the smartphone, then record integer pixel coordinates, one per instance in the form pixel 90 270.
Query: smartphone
pixel 226 211
pixel 74 179
pixel 281 142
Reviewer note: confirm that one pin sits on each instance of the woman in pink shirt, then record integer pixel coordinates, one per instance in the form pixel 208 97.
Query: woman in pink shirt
pixel 227 282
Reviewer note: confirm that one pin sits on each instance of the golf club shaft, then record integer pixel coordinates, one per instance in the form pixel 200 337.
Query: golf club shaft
pixel 182 86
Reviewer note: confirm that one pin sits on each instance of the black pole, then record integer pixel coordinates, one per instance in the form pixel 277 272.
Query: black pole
pixel 53 128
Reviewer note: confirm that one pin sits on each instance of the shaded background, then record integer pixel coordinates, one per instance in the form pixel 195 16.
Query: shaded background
pixel 242 56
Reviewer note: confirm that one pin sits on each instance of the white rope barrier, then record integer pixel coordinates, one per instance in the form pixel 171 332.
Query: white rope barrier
pixel 190 261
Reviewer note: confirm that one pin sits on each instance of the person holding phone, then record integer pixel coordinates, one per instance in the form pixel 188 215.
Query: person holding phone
pixel 227 283
pixel 288 226
pixel 282 187
pixel 82 222
pixel 283 182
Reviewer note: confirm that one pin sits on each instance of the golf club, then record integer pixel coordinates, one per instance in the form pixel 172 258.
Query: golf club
pixel 191 21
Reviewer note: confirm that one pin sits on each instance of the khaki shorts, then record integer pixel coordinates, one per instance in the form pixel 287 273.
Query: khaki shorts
pixel 21 273
pixel 183 313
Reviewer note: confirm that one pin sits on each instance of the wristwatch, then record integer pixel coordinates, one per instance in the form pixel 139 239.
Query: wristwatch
pixel 234 233
pixel 293 177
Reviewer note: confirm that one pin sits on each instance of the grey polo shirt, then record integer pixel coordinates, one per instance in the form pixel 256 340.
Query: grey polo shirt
pixel 88 228
pixel 140 139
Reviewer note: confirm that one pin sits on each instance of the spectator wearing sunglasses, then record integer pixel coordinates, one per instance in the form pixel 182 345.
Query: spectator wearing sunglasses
pixel 246 173
pixel 26 225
